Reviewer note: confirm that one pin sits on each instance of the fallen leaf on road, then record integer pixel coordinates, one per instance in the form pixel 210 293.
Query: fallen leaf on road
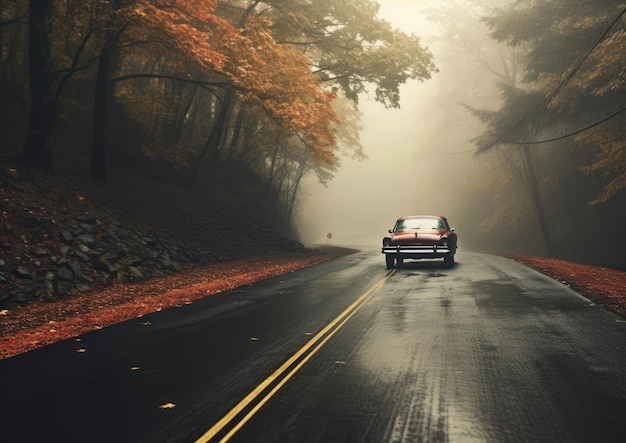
pixel 167 406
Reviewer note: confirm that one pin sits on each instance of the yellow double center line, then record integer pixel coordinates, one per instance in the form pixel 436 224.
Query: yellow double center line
pixel 322 337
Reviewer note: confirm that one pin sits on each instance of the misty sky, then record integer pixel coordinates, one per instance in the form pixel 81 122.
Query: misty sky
pixel 406 171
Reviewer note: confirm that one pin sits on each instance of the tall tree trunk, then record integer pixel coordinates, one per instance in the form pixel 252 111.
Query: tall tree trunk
pixel 237 129
pixel 270 177
pixel 99 143
pixel 37 151
pixel 172 127
pixel 537 200
pixel 216 134
pixel 293 194
pixel 98 149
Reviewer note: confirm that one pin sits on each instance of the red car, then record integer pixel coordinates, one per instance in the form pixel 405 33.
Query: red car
pixel 420 236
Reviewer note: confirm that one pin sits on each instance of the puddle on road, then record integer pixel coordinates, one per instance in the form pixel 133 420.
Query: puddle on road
pixel 429 275
pixel 437 274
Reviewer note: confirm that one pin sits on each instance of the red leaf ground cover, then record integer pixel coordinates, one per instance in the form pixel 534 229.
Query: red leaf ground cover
pixel 604 286
pixel 24 328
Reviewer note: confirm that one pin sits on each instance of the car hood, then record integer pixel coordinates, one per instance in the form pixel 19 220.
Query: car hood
pixel 422 236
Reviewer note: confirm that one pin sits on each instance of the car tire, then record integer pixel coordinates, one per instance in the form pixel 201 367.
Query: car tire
pixel 448 261
pixel 390 259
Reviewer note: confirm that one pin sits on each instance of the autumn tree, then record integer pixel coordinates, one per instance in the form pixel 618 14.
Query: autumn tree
pixel 584 83
pixel 275 77
pixel 557 40
pixel 343 45
pixel 593 92
pixel 185 84
pixel 51 66
pixel 349 45
pixel 185 30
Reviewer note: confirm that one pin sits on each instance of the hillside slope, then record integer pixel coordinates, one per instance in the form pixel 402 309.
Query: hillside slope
pixel 61 236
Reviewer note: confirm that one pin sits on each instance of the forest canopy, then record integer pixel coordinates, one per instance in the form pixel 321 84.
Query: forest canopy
pixel 190 90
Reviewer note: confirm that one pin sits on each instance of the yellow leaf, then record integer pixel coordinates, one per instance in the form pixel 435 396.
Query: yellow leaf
pixel 167 406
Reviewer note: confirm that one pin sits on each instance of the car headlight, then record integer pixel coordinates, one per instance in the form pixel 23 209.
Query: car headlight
pixel 444 241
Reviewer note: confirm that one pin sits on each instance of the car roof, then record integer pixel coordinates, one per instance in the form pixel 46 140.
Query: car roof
pixel 421 216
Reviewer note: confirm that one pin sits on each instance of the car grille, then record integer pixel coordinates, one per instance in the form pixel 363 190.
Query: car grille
pixel 416 249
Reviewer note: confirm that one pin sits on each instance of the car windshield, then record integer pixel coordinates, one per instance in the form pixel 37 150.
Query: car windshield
pixel 420 223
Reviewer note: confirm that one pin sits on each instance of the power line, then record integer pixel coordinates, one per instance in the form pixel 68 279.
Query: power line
pixel 546 102
pixel 561 137
pixel 566 135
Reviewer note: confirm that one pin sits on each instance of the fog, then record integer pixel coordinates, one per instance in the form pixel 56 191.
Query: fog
pixel 415 163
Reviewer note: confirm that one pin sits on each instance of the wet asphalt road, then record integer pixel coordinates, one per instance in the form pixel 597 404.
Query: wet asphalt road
pixel 489 351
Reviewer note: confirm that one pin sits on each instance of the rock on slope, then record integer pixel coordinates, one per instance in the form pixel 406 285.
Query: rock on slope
pixel 60 237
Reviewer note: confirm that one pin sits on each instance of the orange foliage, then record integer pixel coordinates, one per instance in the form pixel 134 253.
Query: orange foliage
pixel 609 144
pixel 191 27
pixel 278 78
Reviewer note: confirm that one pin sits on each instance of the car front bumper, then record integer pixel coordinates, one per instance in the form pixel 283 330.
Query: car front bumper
pixel 417 251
